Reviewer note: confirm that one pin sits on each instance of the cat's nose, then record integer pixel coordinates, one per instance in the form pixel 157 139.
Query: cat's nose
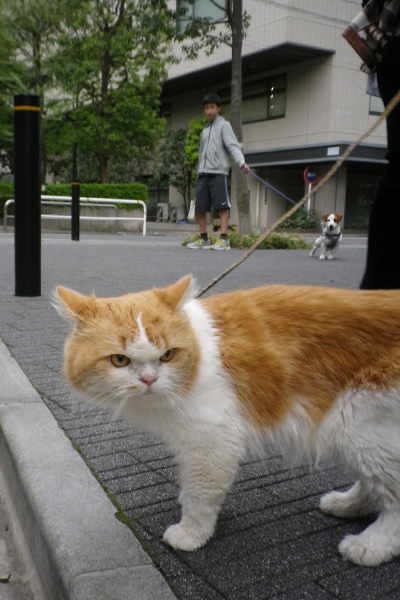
pixel 148 380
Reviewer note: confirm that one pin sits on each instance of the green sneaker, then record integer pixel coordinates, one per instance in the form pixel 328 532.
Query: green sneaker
pixel 200 245
pixel 222 244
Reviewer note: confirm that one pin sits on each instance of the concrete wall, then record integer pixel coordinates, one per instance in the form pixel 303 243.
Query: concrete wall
pixel 332 197
pixel 101 226
pixel 338 108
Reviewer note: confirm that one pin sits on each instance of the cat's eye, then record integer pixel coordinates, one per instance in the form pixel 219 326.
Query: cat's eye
pixel 168 355
pixel 119 360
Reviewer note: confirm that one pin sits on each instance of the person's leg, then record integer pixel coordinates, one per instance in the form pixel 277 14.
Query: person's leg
pixel 202 221
pixel 221 202
pixel 383 257
pixel 203 204
pixel 224 219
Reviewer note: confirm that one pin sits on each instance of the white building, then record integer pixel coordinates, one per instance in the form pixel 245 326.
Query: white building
pixel 304 102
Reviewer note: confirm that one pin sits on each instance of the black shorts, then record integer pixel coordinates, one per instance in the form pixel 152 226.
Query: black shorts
pixel 212 190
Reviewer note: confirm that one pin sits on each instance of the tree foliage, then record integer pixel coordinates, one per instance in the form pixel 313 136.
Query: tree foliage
pixel 98 67
pixel 192 144
pixel 171 165
pixel 30 29
pixel 203 34
pixel 111 64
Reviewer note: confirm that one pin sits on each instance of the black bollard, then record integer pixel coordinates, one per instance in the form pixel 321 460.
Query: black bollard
pixel 27 195
pixel 75 211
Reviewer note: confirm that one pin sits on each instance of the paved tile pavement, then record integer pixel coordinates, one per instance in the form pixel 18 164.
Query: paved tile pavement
pixel 271 540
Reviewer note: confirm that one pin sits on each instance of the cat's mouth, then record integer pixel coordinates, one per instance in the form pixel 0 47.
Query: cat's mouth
pixel 133 388
pixel 141 390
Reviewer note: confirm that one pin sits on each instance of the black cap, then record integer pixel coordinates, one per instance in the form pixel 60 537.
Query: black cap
pixel 212 98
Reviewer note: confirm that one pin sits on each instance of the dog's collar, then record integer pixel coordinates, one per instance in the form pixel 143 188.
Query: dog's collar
pixel 333 238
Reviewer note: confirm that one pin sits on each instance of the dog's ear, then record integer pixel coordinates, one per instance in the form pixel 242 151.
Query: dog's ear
pixel 324 217
pixel 338 218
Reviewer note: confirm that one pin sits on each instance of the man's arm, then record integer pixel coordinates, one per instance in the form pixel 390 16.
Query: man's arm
pixel 200 151
pixel 233 146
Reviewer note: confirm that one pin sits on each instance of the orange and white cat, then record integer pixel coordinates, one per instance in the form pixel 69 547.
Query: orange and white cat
pixel 314 370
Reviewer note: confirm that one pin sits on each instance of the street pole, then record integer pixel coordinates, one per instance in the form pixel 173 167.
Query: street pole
pixel 75 211
pixel 309 197
pixel 27 182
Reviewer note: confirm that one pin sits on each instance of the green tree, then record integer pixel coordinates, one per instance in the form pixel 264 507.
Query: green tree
pixel 192 144
pixel 112 63
pixel 30 29
pixel 171 165
pixel 237 22
pixel 9 84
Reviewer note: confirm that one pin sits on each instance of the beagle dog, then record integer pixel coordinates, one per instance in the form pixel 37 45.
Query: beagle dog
pixel 330 237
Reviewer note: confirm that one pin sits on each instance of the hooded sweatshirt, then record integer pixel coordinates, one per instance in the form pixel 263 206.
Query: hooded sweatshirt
pixel 218 143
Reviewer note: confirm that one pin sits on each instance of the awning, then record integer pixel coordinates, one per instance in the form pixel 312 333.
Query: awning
pixel 270 58
pixel 315 153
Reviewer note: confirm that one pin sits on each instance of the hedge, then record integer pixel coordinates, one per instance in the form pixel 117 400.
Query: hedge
pixel 278 241
pixel 124 191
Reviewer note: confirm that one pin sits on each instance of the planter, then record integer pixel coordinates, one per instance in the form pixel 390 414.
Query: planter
pixel 94 226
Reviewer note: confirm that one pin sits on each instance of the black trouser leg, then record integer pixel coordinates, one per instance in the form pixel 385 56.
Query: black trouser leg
pixel 383 257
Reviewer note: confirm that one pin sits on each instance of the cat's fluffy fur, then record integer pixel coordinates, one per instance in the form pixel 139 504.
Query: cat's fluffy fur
pixel 315 370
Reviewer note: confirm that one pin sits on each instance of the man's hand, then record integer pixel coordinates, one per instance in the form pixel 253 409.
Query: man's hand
pixel 245 168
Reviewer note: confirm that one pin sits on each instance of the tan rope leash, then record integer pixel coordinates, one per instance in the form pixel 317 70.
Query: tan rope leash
pixel 392 104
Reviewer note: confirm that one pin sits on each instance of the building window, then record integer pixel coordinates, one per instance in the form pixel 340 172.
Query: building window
pixel 263 100
pixel 212 10
pixel 375 105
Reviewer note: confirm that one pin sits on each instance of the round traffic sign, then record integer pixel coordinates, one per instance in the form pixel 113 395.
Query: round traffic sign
pixel 311 175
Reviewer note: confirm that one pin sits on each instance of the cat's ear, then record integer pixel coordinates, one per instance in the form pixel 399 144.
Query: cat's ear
pixel 176 294
pixel 72 306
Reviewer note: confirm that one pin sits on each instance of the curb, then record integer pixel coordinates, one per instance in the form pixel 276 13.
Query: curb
pixel 81 550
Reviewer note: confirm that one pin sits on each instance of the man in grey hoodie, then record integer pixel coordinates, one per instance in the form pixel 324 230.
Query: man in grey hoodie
pixel 217 145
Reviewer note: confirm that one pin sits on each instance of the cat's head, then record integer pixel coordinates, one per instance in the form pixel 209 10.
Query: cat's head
pixel 138 348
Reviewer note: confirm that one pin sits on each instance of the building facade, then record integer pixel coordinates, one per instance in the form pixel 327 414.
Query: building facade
pixel 304 102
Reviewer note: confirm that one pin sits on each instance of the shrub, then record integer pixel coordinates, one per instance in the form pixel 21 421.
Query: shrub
pixel 276 241
pixel 300 220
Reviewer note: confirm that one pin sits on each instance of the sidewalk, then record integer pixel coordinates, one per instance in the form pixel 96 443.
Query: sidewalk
pixel 271 540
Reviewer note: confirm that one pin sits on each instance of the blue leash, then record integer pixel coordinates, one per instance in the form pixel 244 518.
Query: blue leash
pixel 274 189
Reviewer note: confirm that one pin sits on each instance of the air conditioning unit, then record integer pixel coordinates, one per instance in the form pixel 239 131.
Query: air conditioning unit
pixel 177 213
pixel 162 211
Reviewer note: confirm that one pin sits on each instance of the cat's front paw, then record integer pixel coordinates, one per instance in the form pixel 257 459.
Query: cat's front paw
pixel 354 549
pixel 182 538
pixel 361 550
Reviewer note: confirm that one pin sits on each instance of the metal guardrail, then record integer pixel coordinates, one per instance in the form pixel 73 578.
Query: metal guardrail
pixel 91 202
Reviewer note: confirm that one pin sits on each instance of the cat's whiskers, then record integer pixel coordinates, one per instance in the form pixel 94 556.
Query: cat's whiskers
pixel 185 421
pixel 105 403
pixel 178 404
pixel 116 412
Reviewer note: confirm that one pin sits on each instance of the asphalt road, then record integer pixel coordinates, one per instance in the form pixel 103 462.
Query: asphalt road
pixel 271 539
